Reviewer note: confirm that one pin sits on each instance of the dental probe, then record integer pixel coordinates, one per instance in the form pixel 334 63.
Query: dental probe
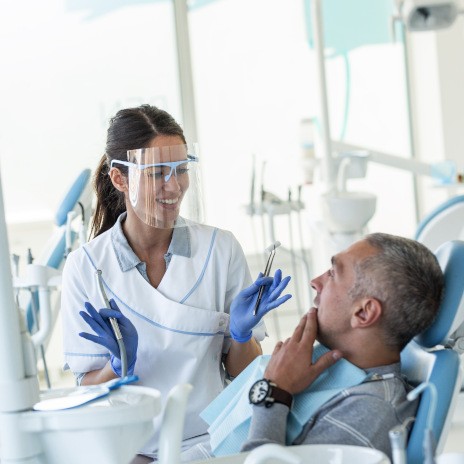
pixel 114 325
pixel 272 250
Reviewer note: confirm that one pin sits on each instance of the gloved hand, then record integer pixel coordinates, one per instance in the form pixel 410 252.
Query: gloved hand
pixel 100 324
pixel 242 319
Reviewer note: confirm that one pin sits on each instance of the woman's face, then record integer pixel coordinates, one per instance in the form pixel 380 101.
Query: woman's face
pixel 162 185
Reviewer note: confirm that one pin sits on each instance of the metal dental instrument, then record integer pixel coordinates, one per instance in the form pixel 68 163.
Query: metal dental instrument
pixel 114 325
pixel 272 250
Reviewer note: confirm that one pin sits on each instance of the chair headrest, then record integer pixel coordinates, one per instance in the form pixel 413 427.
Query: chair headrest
pixel 436 212
pixel 450 316
pixel 72 197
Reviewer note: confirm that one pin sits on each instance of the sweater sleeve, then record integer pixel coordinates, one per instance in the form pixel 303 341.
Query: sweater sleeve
pixel 268 425
pixel 359 420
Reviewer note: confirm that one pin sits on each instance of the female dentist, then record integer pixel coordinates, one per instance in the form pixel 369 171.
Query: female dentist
pixel 180 290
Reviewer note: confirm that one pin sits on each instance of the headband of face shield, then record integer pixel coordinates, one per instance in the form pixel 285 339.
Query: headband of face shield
pixel 164 185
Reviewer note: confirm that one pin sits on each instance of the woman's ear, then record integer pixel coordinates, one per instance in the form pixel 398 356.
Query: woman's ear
pixel 367 313
pixel 118 180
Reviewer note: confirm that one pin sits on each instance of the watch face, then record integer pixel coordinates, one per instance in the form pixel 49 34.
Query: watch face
pixel 259 391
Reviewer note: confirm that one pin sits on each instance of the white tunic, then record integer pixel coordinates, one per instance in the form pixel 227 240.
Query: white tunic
pixel 183 325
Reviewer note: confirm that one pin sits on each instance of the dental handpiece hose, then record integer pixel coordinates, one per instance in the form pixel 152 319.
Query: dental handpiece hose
pixel 267 271
pixel 114 326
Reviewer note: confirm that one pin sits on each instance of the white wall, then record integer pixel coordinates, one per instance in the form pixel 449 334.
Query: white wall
pixel 255 82
pixel 65 71
pixel 437 73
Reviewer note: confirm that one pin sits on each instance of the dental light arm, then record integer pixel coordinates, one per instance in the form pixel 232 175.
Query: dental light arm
pixel 444 171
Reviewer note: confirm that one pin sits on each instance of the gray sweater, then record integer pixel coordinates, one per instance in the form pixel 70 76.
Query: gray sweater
pixel 361 415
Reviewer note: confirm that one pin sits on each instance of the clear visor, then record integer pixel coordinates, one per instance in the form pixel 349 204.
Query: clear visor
pixel 164 185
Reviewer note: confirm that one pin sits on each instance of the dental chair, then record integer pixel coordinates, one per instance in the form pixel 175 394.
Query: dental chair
pixel 446 222
pixel 432 357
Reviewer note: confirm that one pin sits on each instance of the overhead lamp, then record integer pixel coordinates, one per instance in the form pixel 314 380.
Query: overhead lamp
pixel 428 15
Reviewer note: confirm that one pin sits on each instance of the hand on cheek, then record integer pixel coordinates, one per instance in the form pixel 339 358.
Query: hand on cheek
pixel 290 366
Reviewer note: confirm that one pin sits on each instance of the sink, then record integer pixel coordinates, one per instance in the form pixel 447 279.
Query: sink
pixel 348 212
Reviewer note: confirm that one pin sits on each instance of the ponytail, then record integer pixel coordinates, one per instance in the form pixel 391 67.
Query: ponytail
pixel 110 201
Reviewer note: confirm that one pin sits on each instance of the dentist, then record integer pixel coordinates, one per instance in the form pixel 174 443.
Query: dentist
pixel 180 290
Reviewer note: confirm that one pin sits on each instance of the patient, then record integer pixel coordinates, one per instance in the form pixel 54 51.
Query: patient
pixel 378 294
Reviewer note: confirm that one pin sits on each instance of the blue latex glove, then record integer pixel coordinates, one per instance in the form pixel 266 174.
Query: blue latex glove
pixel 100 324
pixel 242 319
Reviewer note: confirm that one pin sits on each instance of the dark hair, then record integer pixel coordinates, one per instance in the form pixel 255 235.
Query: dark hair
pixel 406 278
pixel 129 129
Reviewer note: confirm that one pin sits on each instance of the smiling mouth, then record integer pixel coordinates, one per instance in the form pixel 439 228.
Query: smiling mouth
pixel 168 201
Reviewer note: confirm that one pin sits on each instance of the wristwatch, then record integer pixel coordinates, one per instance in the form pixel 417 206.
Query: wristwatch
pixel 264 392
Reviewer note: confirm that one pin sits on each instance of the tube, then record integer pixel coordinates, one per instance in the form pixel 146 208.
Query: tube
pixel 114 326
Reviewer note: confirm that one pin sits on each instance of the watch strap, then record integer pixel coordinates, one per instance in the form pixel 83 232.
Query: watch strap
pixel 278 395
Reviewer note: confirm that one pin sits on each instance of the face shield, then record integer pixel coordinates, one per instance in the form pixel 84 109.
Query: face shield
pixel 163 184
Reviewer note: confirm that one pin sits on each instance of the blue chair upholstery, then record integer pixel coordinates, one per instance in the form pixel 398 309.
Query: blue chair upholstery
pixel 444 223
pixel 54 253
pixel 428 358
pixel 72 197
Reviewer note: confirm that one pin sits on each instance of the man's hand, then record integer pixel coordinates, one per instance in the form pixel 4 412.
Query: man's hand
pixel 290 366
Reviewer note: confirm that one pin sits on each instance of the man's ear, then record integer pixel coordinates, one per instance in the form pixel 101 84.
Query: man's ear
pixel 118 180
pixel 367 313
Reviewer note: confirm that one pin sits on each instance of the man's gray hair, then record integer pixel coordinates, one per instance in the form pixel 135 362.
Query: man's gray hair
pixel 406 278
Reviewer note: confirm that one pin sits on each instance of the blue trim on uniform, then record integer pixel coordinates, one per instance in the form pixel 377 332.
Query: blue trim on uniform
pixel 184 332
pixel 197 283
pixel 206 334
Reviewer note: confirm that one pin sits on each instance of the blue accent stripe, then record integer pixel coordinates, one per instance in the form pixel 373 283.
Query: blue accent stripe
pixel 86 355
pixel 155 324
pixel 182 301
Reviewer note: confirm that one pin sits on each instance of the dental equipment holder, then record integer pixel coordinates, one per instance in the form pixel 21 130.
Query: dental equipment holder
pixel 429 445
pixel 267 270
pixel 399 435
pixel 114 325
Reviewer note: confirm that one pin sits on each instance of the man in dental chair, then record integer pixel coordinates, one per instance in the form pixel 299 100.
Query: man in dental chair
pixel 377 295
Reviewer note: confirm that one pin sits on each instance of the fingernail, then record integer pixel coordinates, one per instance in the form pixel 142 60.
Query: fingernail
pixel 312 310
pixel 336 355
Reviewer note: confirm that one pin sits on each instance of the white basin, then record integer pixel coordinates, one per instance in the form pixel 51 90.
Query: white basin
pixel 348 212
pixel 109 430
pixel 306 454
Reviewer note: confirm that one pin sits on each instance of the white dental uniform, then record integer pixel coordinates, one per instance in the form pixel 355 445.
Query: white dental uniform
pixel 183 325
